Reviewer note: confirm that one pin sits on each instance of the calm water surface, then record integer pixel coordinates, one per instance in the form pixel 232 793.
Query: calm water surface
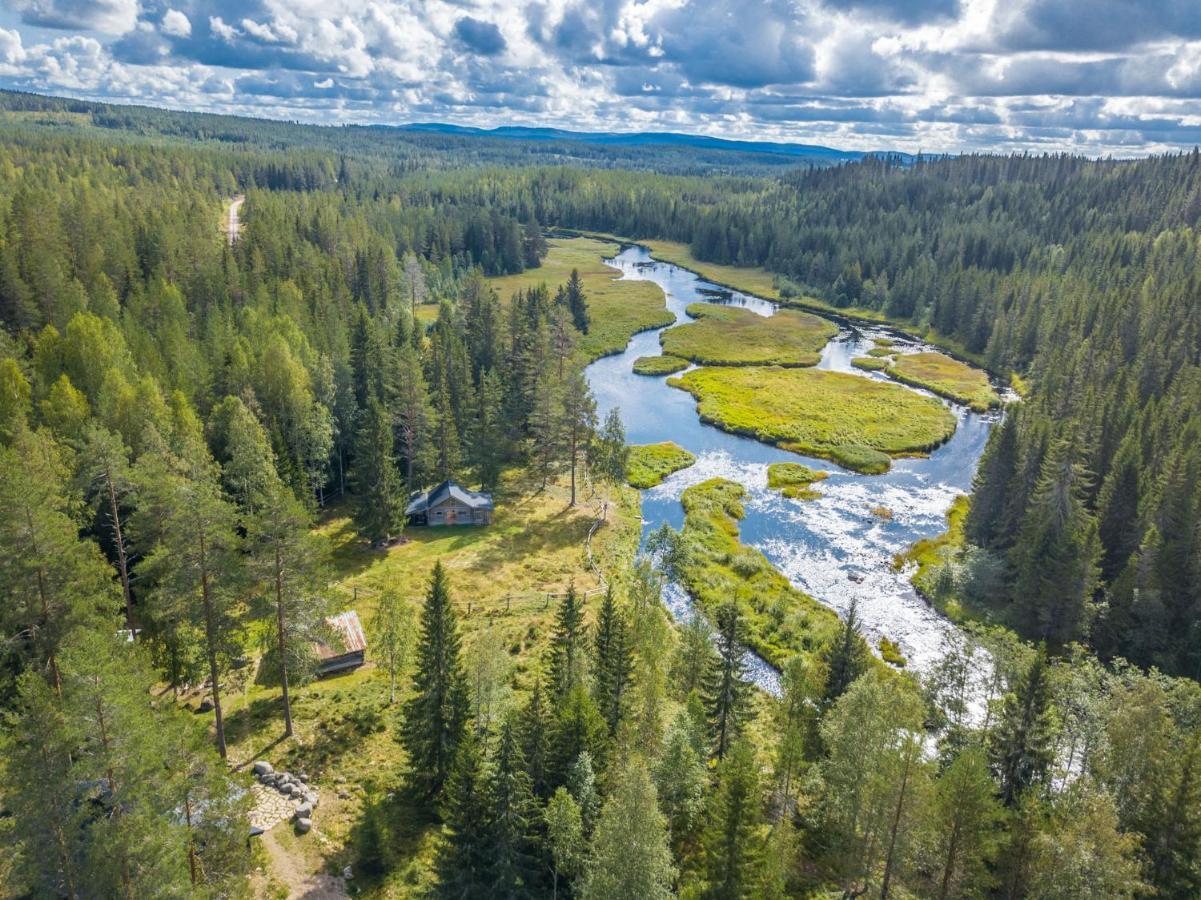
pixel 832 548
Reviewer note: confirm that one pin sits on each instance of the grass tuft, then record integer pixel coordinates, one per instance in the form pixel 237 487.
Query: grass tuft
pixel 794 480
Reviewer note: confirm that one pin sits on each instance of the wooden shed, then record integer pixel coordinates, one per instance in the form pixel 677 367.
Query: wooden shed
pixel 347 647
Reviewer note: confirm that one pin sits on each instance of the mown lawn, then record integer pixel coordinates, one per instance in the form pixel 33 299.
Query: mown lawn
pixel 649 464
pixel 856 422
pixel 795 480
pixel 716 567
pixel 346 731
pixel 618 309
pixel 733 335
pixel 946 377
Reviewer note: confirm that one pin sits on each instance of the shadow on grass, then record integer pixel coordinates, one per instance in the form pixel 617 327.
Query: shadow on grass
pixel 394 829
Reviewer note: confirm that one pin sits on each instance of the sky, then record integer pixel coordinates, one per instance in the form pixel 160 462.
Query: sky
pixel 1098 77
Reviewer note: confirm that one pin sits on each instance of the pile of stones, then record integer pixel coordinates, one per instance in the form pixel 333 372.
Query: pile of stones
pixel 292 787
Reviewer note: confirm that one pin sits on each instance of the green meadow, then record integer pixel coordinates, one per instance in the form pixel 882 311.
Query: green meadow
pixel 859 423
pixel 946 377
pixel 649 464
pixel 733 336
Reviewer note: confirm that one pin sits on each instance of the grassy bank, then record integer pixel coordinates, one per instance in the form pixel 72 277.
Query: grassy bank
pixel 932 556
pixel 649 464
pixel 659 365
pixel 794 480
pixel 869 363
pixel 346 731
pixel 618 309
pixel 715 567
pixel 733 335
pixel 946 377
pixel 856 422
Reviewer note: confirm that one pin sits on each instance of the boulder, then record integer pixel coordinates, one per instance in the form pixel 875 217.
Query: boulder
pixel 304 811
pixel 287 788
pixel 262 767
pixel 304 825
pixel 311 798
pixel 206 705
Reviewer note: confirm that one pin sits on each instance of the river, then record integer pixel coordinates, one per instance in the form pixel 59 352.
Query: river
pixel 833 548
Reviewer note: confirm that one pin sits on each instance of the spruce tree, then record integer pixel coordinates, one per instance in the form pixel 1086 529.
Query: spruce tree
pixel 577 302
pixel 733 845
pixel 726 688
pixel 578 728
pixel 380 501
pixel 535 730
pixel 436 715
pixel 613 663
pixel 1021 746
pixel 464 861
pixel 510 827
pixel 845 659
pixel 566 656
pixel 681 778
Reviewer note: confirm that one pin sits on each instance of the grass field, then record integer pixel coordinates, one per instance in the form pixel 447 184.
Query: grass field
pixel 856 422
pixel 346 732
pixel 649 464
pixel 618 309
pixel 659 365
pixel 946 377
pixel 733 336
pixel 716 567
pixel 794 480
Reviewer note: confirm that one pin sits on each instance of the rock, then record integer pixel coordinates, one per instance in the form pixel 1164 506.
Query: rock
pixel 304 825
pixel 304 811
pixel 347 873
pixel 287 788
pixel 311 799
pixel 206 705
pixel 343 795
pixel 262 767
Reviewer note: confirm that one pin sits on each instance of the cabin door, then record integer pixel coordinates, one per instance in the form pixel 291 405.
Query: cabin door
pixel 451 516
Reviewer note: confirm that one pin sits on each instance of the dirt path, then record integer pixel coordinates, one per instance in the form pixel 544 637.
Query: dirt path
pixel 232 226
pixel 301 885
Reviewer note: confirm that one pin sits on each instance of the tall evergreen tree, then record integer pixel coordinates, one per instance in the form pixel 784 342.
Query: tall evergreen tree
pixel 464 862
pixel 577 302
pixel 579 423
pixel 436 716
pixel 726 688
pixel 1021 746
pixel 567 653
pixel 845 658
pixel 733 844
pixel 379 509
pixel 511 825
pixel 613 663
pixel 107 480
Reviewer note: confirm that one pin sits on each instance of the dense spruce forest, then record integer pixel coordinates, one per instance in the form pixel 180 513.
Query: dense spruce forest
pixel 203 441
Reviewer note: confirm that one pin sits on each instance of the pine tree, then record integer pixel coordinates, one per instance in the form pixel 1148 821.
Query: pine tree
pixel 613 663
pixel 630 856
pixel 579 422
pixel 488 438
pixel 410 402
pixel 464 859
pixel 535 730
pixel 963 823
pixel 436 716
pixel 1021 746
pixel 106 476
pixel 510 828
pixel 733 846
pixel 726 688
pixel 845 659
pixel 578 728
pixel 380 504
pixel 566 656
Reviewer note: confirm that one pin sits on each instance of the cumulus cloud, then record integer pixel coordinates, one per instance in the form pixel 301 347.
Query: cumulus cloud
pixel 1086 75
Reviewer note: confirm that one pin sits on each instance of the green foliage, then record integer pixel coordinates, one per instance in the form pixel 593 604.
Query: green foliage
pixel 630 858
pixel 649 464
pixel 793 480
pixel 856 422
pixel 732 840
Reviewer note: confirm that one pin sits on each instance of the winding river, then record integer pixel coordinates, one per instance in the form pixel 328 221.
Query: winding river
pixel 833 548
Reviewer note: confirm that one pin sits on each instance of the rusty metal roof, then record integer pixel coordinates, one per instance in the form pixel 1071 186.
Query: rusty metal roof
pixel 349 629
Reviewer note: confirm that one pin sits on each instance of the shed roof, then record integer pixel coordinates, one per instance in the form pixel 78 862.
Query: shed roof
pixel 348 632
pixel 422 500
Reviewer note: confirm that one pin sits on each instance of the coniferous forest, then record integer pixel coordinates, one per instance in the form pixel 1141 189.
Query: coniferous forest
pixel 207 447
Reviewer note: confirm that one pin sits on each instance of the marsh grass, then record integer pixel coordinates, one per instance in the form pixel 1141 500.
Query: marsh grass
pixel 947 377
pixel 733 336
pixel 795 480
pixel 869 363
pixel 649 464
pixel 715 567
pixel 856 422
pixel 618 309
pixel 659 365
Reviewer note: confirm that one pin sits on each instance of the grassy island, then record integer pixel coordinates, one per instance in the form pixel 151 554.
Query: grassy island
pixel 733 335
pixel 856 422
pixel 869 363
pixel 659 365
pixel 649 464
pixel 794 480
pixel 946 377
pixel 715 567
pixel 619 309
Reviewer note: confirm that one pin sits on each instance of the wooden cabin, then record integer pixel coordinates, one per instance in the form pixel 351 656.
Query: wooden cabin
pixel 347 647
pixel 449 504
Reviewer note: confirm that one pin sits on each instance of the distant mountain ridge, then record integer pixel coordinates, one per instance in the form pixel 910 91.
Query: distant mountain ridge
pixel 651 138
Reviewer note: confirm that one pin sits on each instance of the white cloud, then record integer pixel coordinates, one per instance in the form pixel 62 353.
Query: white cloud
pixel 176 24
pixel 107 16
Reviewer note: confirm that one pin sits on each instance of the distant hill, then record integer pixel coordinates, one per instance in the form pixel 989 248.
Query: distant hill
pixel 808 153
